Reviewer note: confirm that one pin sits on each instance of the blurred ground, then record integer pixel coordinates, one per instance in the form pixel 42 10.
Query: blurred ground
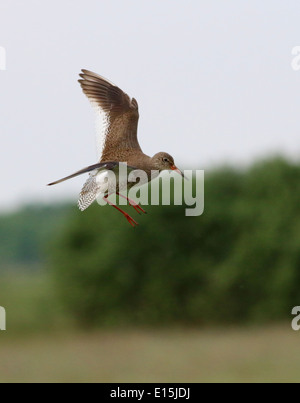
pixel 250 355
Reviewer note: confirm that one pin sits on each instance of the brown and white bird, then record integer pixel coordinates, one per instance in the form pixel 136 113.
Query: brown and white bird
pixel 117 121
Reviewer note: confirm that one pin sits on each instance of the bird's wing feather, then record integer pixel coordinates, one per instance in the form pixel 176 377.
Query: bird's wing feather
pixel 116 115
pixel 101 165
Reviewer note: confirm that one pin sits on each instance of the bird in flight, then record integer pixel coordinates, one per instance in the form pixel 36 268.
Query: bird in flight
pixel 117 118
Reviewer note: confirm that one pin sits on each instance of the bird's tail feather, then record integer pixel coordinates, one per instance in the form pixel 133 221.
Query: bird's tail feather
pixel 89 193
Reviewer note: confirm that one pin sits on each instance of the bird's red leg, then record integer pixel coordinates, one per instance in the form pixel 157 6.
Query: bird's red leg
pixel 131 221
pixel 132 203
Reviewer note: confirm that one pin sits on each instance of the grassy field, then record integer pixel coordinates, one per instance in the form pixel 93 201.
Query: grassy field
pixel 42 344
pixel 249 355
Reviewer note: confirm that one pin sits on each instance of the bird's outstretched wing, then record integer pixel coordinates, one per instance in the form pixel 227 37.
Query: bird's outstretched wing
pixel 117 115
pixel 103 166
pixel 106 165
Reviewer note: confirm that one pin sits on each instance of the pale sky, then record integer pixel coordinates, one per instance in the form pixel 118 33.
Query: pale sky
pixel 213 80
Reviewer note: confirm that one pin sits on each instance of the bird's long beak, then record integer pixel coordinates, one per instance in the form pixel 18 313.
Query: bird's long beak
pixel 174 168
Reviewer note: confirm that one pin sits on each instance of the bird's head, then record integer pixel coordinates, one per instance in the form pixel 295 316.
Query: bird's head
pixel 164 161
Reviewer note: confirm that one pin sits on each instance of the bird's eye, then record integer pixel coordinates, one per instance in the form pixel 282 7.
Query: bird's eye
pixel 166 160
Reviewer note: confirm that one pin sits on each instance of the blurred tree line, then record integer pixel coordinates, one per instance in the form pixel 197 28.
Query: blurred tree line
pixel 238 262
pixel 25 234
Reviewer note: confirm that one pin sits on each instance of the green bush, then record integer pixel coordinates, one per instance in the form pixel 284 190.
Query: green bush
pixel 25 234
pixel 238 262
